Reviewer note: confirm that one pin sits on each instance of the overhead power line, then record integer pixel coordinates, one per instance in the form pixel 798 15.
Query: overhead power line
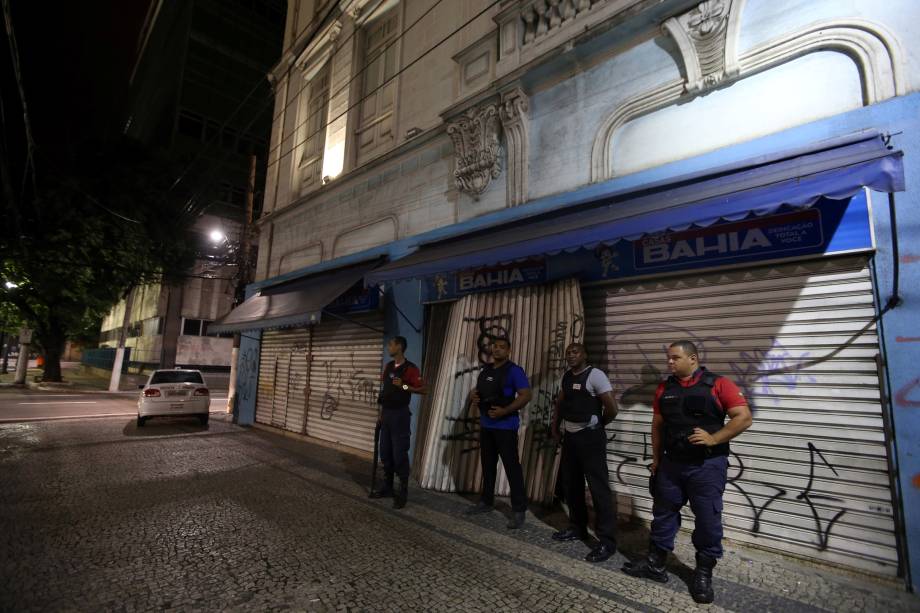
pixel 17 73
pixel 255 86
pixel 296 97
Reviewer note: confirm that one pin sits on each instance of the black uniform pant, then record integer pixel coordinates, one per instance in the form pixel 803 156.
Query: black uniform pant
pixel 495 443
pixel 584 457
pixel 394 444
pixel 702 482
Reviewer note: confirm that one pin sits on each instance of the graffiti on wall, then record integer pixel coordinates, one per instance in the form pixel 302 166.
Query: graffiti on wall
pixel 490 328
pixel 249 373
pixel 338 379
pixel 344 379
pixel 761 371
pixel 908 395
pixel 462 427
pixel 765 372
pixel 824 519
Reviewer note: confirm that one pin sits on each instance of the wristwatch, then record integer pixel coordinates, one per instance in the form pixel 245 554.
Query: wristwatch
pixel 405 387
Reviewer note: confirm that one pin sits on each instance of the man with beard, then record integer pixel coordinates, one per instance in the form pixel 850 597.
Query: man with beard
pixel 501 391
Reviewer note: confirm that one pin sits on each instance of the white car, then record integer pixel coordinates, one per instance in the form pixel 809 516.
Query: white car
pixel 174 392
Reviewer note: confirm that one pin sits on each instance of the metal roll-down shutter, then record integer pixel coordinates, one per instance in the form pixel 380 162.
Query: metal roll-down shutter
pixel 540 321
pixel 283 366
pixel 345 379
pixel 810 477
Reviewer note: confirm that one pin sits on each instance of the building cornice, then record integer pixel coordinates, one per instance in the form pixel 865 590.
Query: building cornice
pixel 308 39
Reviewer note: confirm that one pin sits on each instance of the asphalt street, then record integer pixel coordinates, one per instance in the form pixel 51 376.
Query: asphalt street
pixel 27 405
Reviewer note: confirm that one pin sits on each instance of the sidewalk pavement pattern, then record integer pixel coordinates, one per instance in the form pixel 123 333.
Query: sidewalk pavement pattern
pixel 100 515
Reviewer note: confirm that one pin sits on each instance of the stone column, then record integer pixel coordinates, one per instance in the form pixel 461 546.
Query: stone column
pixel 514 109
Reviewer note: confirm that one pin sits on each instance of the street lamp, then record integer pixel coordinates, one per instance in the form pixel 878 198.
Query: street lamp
pixel 10 285
pixel 217 236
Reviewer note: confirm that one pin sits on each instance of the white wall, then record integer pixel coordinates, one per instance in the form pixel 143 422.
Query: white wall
pixel 565 117
pixel 809 88
pixel 763 20
pixel 204 351
pixel 796 90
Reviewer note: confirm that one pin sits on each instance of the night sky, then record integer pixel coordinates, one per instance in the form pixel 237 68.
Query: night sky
pixel 76 60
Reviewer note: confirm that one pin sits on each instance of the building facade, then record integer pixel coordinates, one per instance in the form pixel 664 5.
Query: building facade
pixel 622 172
pixel 198 91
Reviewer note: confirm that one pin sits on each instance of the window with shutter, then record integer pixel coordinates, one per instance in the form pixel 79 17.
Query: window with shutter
pixel 378 93
pixel 314 138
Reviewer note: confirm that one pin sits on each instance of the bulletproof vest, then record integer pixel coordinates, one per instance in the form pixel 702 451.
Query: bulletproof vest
pixel 394 396
pixel 578 405
pixel 491 387
pixel 686 408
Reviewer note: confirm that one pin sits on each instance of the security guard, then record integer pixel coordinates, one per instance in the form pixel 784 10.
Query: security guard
pixel 501 391
pixel 690 449
pixel 401 378
pixel 584 405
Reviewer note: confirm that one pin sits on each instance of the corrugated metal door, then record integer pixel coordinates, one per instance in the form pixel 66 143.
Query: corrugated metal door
pixel 344 380
pixel 540 321
pixel 437 320
pixel 283 364
pixel 811 475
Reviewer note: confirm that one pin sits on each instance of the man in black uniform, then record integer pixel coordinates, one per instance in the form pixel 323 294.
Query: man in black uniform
pixel 584 405
pixel 401 378
pixel 690 463
pixel 501 391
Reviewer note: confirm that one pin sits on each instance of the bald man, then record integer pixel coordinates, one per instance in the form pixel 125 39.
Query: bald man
pixel 584 405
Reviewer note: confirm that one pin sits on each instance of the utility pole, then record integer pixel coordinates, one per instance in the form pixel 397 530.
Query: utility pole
pixel 243 280
pixel 115 379
pixel 22 364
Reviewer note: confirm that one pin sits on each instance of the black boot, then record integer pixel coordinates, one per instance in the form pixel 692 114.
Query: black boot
pixel 386 491
pixel 571 534
pixel 478 509
pixel 652 567
pixel 402 496
pixel 516 521
pixel 701 586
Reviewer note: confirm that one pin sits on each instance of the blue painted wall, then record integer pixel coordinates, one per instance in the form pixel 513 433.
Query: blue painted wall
pixel 247 369
pixel 247 379
pixel 899 327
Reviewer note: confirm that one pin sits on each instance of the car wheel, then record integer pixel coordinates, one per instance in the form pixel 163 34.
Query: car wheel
pixel 203 419
pixel 141 421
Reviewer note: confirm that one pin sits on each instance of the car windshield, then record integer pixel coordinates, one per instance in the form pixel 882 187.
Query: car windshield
pixel 176 376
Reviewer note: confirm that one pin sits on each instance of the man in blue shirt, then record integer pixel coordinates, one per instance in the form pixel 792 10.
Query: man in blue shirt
pixel 501 391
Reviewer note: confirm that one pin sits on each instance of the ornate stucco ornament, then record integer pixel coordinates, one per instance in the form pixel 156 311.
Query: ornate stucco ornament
pixel 476 141
pixel 701 36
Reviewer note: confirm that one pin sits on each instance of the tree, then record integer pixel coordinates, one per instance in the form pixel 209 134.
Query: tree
pixel 93 227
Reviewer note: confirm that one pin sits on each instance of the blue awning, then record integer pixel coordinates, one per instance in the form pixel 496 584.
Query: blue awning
pixel 295 303
pixel 754 188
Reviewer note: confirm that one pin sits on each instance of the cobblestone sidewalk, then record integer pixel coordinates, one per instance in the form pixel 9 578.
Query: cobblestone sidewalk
pixel 99 515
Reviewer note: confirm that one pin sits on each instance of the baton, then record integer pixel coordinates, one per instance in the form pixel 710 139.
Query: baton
pixel 376 457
